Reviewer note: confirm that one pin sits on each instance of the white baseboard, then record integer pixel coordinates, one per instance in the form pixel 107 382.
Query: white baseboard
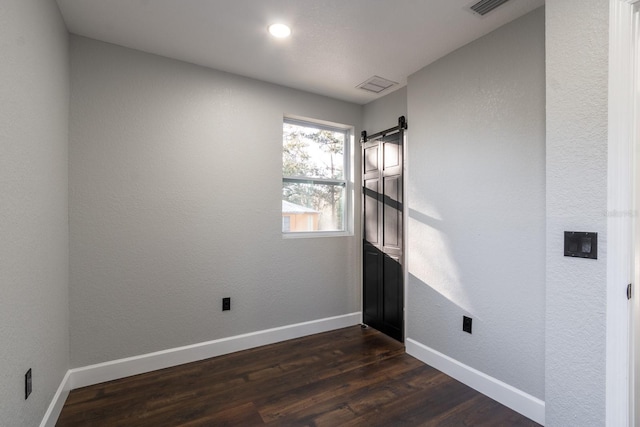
pixel 521 402
pixel 55 407
pixel 108 371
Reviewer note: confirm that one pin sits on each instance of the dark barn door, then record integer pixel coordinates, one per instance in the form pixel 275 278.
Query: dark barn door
pixel 382 176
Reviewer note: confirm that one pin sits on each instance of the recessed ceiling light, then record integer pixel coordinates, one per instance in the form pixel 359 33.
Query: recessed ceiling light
pixel 279 30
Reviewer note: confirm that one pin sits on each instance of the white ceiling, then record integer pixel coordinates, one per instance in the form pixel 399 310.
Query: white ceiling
pixel 335 44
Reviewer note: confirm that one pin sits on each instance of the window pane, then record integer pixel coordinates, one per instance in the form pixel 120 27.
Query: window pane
pixel 313 207
pixel 286 223
pixel 312 152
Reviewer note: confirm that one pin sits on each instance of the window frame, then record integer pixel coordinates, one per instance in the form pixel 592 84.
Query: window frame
pixel 346 182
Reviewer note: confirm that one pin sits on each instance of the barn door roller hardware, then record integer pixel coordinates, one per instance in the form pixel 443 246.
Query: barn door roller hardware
pixel 402 125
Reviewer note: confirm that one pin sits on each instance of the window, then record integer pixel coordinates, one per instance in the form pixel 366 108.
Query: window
pixel 315 169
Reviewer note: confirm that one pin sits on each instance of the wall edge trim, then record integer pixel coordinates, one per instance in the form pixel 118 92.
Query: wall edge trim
pixel 521 402
pixel 621 158
pixel 55 407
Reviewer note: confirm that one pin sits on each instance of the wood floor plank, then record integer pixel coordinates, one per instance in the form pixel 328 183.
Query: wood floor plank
pixel 350 377
pixel 344 408
pixel 317 397
pixel 243 415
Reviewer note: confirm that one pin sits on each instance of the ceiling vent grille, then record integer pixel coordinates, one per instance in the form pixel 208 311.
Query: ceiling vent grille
pixel 376 84
pixel 485 6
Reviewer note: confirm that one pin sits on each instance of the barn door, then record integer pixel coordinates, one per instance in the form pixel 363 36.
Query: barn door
pixel 382 250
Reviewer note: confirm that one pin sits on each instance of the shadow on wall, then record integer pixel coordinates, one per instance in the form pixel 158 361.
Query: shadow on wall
pixel 441 274
pixel 421 293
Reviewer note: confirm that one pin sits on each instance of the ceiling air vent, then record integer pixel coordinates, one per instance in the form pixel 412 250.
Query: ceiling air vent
pixel 485 6
pixel 376 84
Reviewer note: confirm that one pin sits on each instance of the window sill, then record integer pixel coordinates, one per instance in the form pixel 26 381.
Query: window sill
pixel 315 234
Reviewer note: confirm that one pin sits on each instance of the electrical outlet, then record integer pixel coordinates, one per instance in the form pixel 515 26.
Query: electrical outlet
pixel 27 384
pixel 226 304
pixel 466 324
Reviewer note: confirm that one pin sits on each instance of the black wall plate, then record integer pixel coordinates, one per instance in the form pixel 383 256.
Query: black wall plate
pixel 28 386
pixel 466 324
pixel 581 244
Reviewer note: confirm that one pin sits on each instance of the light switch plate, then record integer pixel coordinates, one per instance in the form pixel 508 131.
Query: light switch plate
pixel 581 244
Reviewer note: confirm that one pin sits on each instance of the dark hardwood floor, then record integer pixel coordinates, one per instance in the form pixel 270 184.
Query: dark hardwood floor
pixel 348 377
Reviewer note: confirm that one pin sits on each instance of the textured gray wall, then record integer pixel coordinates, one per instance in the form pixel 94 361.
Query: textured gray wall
pixel 34 260
pixel 577 73
pixel 476 200
pixel 175 184
pixel 383 113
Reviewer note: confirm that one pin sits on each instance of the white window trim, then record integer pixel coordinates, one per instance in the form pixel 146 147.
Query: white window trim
pixel 348 173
